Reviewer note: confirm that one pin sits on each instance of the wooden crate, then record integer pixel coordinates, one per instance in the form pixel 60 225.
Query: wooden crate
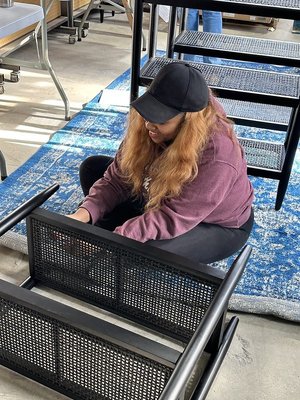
pixel 79 3
pixel 54 12
pixel 247 18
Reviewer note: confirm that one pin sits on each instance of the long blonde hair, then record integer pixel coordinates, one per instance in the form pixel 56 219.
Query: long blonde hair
pixel 177 164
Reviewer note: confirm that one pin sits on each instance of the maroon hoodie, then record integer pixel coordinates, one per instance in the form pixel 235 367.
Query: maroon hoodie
pixel 220 194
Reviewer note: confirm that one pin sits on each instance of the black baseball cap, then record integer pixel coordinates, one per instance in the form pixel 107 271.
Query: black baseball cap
pixel 178 87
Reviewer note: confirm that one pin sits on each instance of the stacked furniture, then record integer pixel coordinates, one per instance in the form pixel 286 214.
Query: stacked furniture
pixel 108 5
pixel 22 16
pixel 61 14
pixel 85 357
pixel 250 97
pixel 104 6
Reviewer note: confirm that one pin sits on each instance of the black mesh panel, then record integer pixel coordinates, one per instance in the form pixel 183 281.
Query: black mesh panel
pixel 240 79
pixel 72 361
pixel 120 280
pixel 241 44
pixel 263 154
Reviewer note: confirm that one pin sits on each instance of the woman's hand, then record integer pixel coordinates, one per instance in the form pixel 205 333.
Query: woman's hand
pixel 81 215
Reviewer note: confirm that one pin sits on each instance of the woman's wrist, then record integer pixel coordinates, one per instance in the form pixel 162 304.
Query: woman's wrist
pixel 81 215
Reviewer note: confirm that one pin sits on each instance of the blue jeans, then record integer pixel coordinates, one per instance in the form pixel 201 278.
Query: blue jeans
pixel 212 22
pixel 296 26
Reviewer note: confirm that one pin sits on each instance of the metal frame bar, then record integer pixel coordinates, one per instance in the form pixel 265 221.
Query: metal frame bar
pixel 171 32
pixel 152 40
pixel 291 145
pixel 136 49
pixel 25 209
pixel 265 9
pixel 190 357
pixel 214 365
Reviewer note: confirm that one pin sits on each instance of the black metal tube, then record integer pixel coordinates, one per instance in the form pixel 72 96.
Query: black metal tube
pixel 264 8
pixel 136 49
pixel 21 212
pixel 210 373
pixel 152 44
pixel 183 19
pixel 182 26
pixel 2 166
pixel 187 362
pixel 291 145
pixel 171 32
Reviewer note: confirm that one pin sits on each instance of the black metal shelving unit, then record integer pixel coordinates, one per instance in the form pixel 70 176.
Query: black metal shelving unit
pixel 242 91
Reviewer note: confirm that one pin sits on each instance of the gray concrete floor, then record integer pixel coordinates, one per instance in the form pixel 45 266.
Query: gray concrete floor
pixel 263 361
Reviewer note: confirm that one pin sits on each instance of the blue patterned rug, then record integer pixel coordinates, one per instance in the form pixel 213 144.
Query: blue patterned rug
pixel 271 282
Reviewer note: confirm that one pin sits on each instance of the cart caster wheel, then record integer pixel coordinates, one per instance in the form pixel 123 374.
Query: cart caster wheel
pixel 72 39
pixel 14 76
pixel 84 33
pixel 1 89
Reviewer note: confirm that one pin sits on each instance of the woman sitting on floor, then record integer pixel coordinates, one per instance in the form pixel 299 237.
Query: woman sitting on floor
pixel 179 179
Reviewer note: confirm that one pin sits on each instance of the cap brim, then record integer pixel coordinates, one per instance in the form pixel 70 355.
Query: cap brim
pixel 152 110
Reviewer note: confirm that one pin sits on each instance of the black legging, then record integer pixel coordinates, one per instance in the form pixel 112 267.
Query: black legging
pixel 206 243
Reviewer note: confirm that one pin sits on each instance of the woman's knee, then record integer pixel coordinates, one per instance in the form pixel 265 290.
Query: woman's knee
pixel 92 169
pixel 94 164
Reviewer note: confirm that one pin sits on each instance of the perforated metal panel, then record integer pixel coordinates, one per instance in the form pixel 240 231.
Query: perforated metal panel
pixel 263 154
pixel 271 3
pixel 256 111
pixel 240 79
pixel 118 278
pixel 73 361
pixel 241 44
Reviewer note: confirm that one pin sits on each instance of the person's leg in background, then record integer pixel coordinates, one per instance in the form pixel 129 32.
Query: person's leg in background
pixel 92 169
pixel 212 22
pixel 296 26
pixel 192 24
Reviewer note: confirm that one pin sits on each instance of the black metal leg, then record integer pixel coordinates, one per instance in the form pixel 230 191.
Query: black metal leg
pixel 101 16
pixel 281 190
pixel 291 148
pixel 183 20
pixel 70 14
pixel 171 33
pixel 136 49
pixel 153 30
pixel 3 166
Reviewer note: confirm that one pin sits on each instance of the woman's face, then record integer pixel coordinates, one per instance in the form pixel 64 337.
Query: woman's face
pixel 160 133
